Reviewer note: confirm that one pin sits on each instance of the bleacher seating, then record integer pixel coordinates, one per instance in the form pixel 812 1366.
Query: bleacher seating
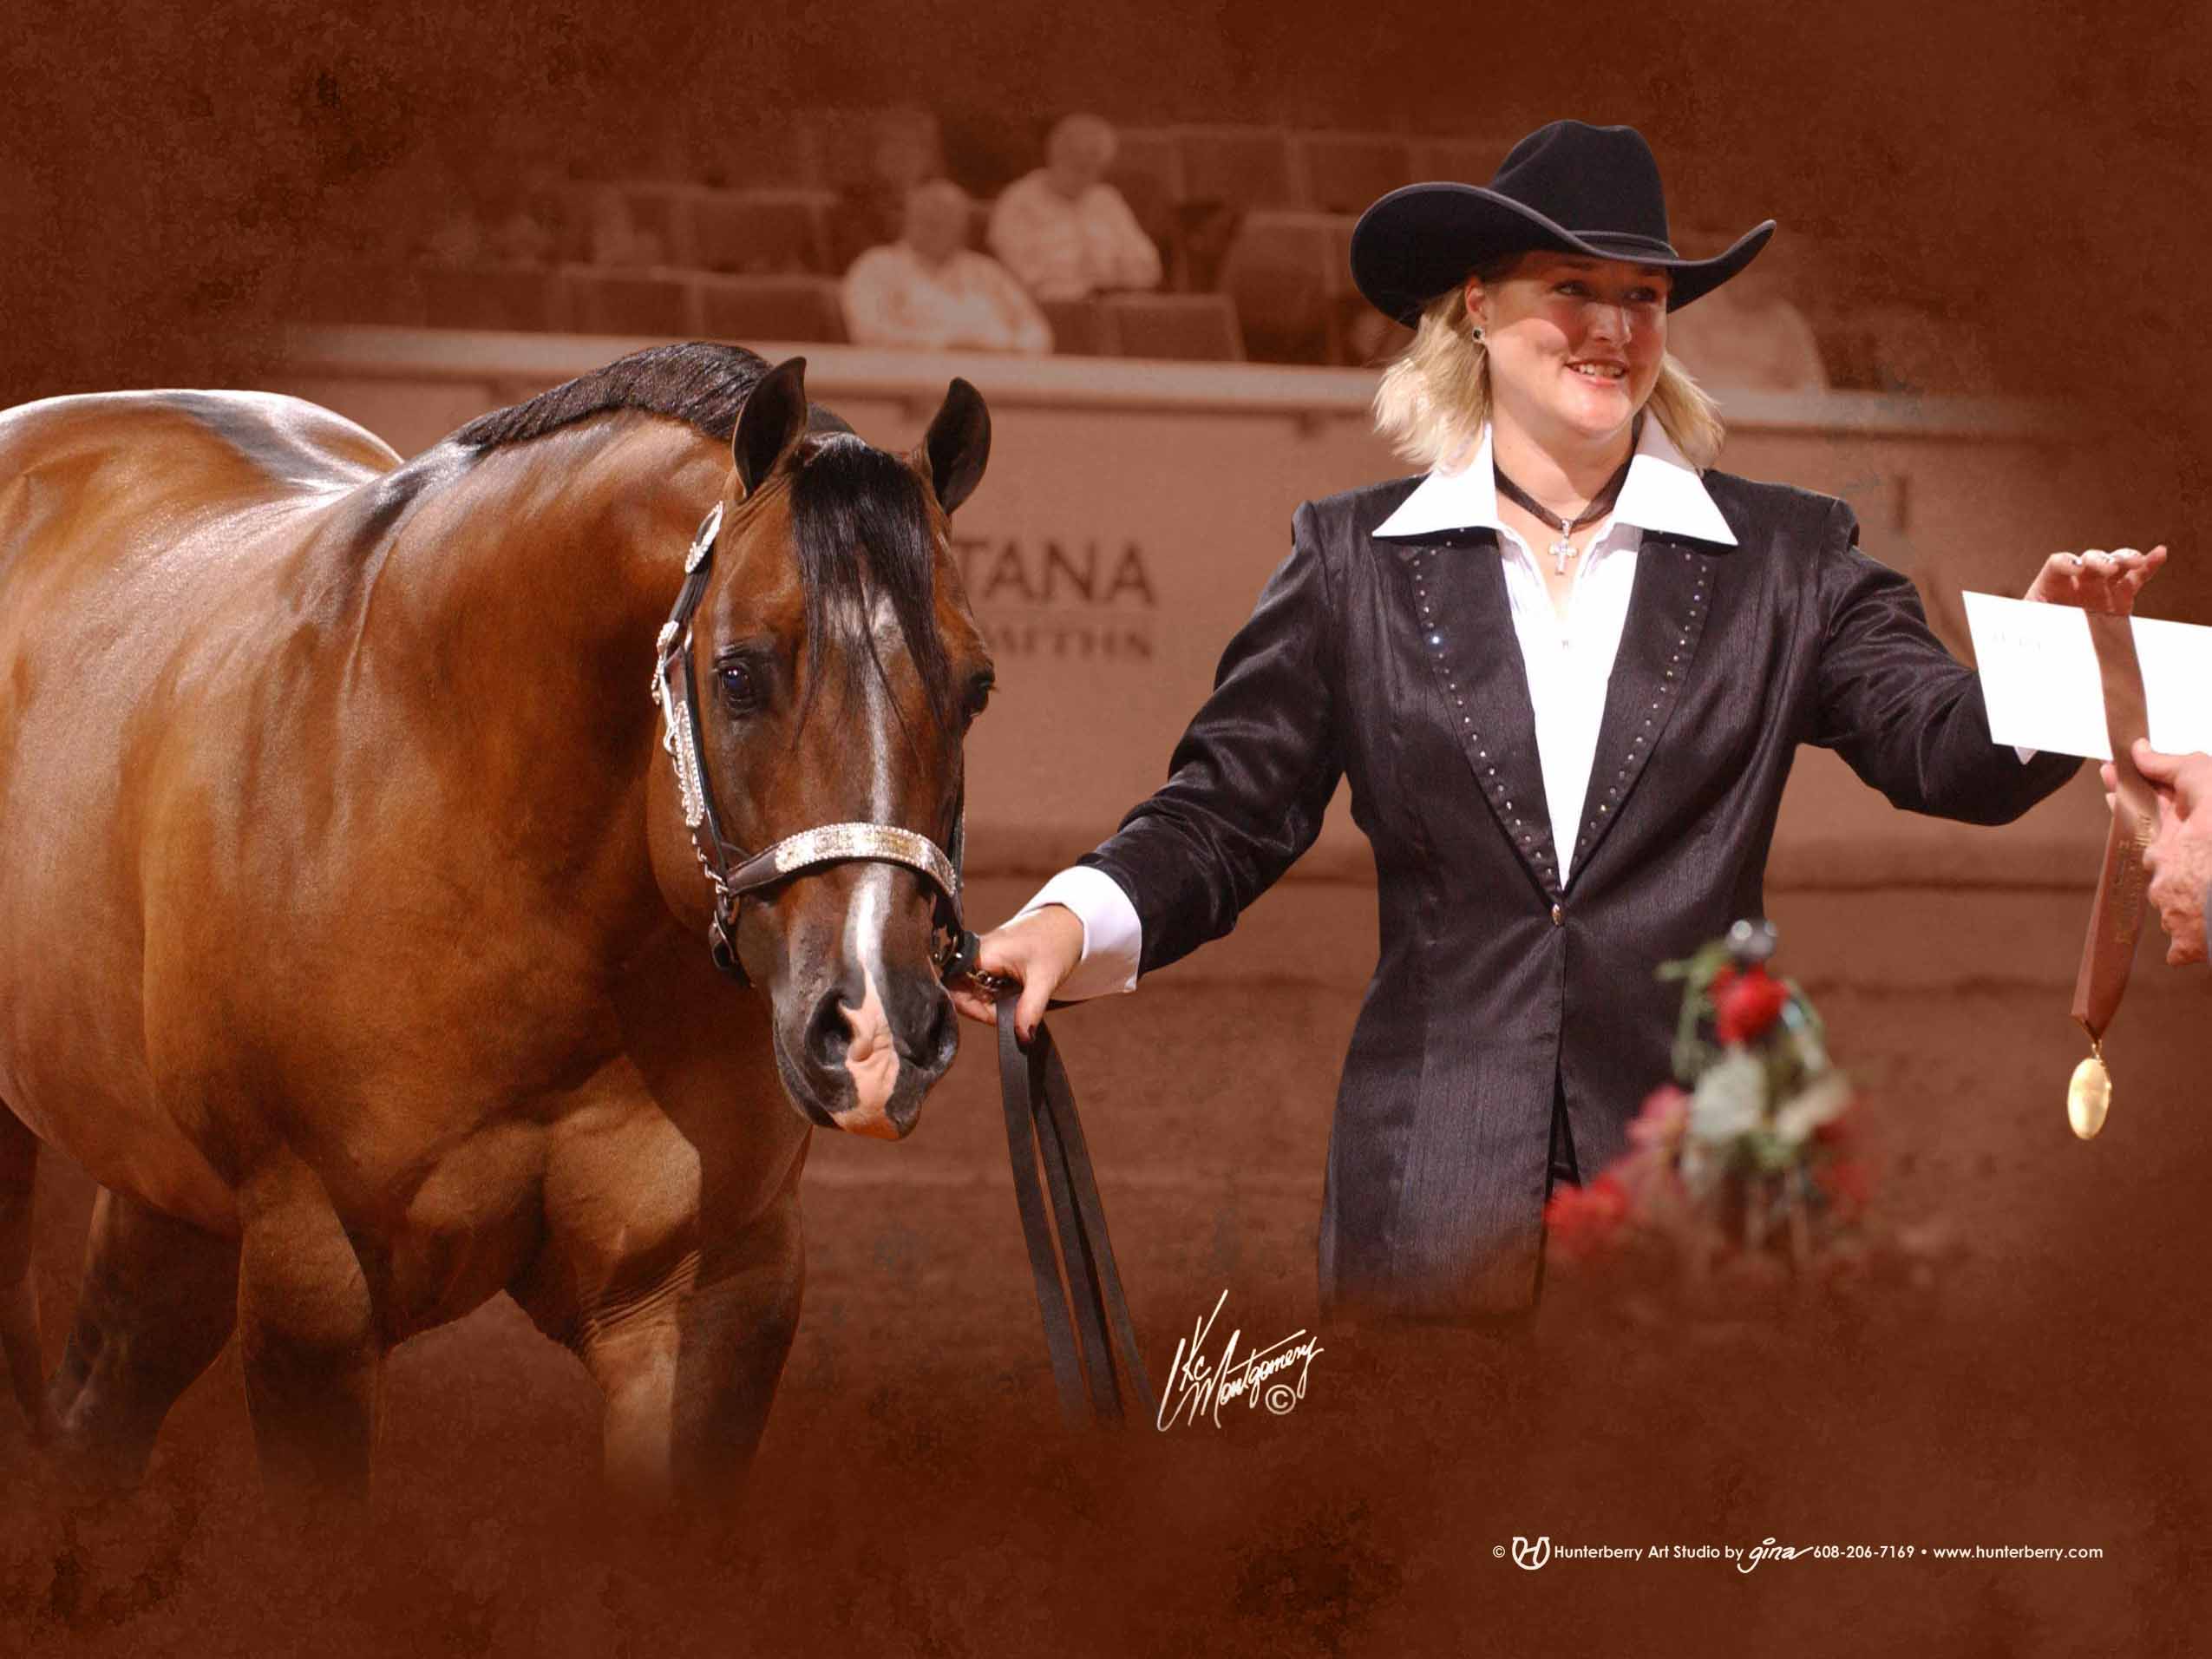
pixel 1343 172
pixel 843 142
pixel 1200 326
pixel 524 299
pixel 1363 335
pixel 1153 154
pixel 759 231
pixel 779 152
pixel 769 308
pixel 1277 273
pixel 687 226
pixel 650 303
pixel 1076 329
pixel 1245 166
pixel 656 215
pixel 1149 172
pixel 1254 223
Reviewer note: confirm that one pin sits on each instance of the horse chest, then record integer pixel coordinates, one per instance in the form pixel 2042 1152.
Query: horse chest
pixel 473 1224
pixel 581 1214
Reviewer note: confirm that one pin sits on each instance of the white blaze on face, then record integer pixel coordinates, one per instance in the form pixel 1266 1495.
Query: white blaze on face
pixel 871 1056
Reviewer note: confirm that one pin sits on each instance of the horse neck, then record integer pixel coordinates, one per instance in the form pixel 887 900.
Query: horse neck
pixel 559 558
pixel 518 615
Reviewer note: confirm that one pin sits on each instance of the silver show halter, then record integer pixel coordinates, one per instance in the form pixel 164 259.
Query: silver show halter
pixel 732 872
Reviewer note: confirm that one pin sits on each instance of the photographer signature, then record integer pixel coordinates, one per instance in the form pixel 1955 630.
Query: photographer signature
pixel 1197 1388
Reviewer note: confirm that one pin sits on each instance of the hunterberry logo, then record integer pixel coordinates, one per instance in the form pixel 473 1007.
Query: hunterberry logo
pixel 1532 1556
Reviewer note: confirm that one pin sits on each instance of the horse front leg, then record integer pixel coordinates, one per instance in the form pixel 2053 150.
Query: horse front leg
pixel 689 1368
pixel 157 1306
pixel 308 1337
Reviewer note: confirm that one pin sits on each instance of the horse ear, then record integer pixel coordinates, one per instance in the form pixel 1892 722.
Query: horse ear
pixel 773 419
pixel 957 445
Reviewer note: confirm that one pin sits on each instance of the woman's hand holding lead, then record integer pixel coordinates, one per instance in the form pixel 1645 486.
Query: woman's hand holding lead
pixel 1039 949
pixel 2096 580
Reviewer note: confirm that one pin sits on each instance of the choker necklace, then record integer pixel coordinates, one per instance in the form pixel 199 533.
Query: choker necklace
pixel 1600 505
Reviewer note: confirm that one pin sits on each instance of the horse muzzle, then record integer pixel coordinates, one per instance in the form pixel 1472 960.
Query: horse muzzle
pixel 854 1060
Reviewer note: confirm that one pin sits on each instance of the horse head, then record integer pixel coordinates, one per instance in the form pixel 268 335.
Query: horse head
pixel 834 671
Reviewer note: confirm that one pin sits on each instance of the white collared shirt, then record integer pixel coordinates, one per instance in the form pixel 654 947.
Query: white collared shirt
pixel 1067 250
pixel 1568 661
pixel 893 298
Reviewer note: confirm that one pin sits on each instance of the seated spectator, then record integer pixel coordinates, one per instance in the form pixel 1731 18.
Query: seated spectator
pixel 1747 335
pixel 930 291
pixel 903 151
pixel 1064 230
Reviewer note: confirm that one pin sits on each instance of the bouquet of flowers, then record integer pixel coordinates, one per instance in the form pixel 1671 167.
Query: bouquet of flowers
pixel 1750 1170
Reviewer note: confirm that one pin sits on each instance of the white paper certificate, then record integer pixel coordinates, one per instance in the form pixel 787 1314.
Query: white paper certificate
pixel 2039 678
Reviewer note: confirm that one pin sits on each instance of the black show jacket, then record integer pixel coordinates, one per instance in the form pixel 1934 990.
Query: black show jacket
pixel 1494 981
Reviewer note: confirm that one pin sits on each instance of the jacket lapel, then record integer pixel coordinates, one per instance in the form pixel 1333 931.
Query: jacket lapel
pixel 1457 582
pixel 1658 648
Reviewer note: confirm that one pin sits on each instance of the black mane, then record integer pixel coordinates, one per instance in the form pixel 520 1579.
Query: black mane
pixel 858 517
pixel 702 383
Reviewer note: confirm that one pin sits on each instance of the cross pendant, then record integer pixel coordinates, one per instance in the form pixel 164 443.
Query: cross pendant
pixel 1561 550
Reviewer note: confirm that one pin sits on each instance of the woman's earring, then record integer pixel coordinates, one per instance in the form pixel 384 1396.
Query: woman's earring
pixel 1476 332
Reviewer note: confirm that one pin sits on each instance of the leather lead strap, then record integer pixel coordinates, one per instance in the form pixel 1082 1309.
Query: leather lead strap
pixel 1041 1111
pixel 2115 914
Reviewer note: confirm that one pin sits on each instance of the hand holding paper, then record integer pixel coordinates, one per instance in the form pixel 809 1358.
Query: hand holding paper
pixel 2096 580
pixel 2041 681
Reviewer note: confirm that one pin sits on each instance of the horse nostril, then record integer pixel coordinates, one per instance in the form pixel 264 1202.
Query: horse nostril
pixel 828 1033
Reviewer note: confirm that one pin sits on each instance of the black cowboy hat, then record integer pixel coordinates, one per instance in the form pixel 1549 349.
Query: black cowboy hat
pixel 1568 185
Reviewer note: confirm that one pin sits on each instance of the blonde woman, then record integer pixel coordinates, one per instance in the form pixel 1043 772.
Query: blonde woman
pixel 1564 670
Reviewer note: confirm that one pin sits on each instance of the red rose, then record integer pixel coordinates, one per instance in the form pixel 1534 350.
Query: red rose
pixel 1583 1220
pixel 1744 1005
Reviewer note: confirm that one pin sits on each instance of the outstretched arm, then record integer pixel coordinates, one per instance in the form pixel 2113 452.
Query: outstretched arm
pixel 1909 717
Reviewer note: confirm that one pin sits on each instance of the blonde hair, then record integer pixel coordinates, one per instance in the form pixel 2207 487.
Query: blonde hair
pixel 1435 395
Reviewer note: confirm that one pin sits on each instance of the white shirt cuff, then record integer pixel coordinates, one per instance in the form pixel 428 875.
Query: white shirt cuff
pixel 1113 937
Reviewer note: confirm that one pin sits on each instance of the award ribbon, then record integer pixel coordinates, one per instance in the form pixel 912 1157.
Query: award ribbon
pixel 2116 913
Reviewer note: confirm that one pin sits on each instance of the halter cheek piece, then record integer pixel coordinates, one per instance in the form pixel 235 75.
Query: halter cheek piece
pixel 731 871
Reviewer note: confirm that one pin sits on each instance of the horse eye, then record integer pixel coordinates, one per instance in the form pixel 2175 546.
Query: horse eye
pixel 977 699
pixel 738 685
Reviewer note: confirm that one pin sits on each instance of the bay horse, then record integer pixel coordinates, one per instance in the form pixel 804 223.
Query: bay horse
pixel 352 924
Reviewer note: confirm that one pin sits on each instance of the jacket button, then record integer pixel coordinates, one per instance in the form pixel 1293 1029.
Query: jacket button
pixel 1559 916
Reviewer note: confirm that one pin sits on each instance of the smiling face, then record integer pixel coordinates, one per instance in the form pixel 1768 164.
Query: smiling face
pixel 1574 343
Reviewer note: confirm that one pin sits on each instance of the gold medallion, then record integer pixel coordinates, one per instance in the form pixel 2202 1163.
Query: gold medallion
pixel 2089 1097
